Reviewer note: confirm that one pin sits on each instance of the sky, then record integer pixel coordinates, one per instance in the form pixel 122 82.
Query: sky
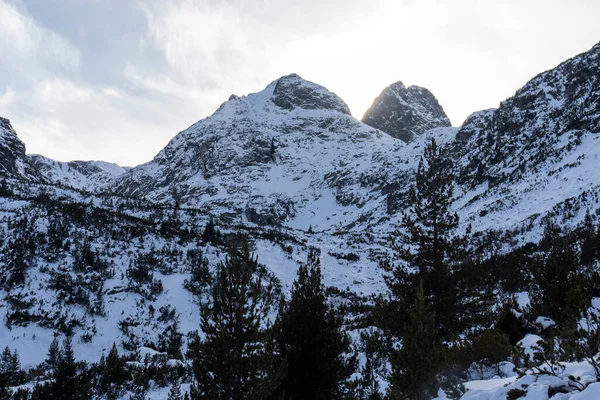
pixel 115 80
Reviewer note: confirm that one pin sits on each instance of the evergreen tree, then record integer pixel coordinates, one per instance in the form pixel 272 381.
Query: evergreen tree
pixel 417 363
pixel 53 354
pixel 561 288
pixel 236 360
pixel 210 233
pixel 175 392
pixel 114 373
pixel 172 340
pixel 428 248
pixel 312 340
pixel 589 241
pixel 368 385
pixel 10 368
pixel 66 382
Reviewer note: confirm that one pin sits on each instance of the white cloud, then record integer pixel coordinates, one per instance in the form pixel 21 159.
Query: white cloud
pixel 99 100
pixel 21 38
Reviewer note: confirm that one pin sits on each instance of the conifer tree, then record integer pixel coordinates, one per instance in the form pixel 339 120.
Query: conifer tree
pixel 236 359
pixel 312 341
pixel 427 249
pixel 175 391
pixel 65 376
pixel 561 288
pixel 417 363
pixel 53 354
pixel 114 373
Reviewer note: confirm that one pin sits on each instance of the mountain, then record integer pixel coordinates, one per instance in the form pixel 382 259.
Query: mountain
pixel 83 175
pixel 13 161
pixel 291 154
pixel 107 253
pixel 536 154
pixel 405 113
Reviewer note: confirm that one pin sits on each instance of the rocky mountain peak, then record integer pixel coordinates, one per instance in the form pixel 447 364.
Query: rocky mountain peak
pixel 12 150
pixel 405 113
pixel 291 91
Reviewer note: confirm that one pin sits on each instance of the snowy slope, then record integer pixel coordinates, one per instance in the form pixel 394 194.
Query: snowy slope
pixel 302 160
pixel 85 175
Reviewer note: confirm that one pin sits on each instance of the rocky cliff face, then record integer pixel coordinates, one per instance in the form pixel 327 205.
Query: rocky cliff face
pixel 12 151
pixel 405 113
pixel 537 153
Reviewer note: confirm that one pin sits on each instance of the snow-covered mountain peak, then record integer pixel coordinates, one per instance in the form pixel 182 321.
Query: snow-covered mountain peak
pixel 269 155
pixel 291 91
pixel 406 113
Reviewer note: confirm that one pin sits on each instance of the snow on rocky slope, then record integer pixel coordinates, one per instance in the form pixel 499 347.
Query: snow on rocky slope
pixel 13 162
pixel 537 153
pixel 84 175
pixel 291 156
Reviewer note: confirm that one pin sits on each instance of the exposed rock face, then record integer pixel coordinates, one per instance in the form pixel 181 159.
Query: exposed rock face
pixel 475 123
pixel 541 123
pixel 405 113
pixel 537 153
pixel 12 151
pixel 291 92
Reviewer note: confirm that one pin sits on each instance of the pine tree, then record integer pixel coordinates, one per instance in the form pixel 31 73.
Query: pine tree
pixel 589 241
pixel 9 368
pixel 65 376
pixel 561 289
pixel 236 359
pixel 312 340
pixel 368 386
pixel 427 246
pixel 114 373
pixel 172 340
pixel 175 392
pixel 417 363
pixel 53 354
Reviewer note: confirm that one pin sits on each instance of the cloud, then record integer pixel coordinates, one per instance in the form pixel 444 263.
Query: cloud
pixel 115 80
pixel 21 38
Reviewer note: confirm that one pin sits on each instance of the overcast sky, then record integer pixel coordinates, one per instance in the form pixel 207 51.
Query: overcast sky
pixel 115 80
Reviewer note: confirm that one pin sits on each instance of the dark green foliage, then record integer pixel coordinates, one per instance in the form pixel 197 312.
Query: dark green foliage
pixel 53 354
pixel 171 341
pixel 511 325
pixel 590 241
pixel 237 359
pixel 200 278
pixel 113 373
pixel 72 380
pixel 514 394
pixel 211 234
pixel 489 349
pixel 312 341
pixel 561 288
pixel 10 369
pixel 429 251
pixel 175 391
pixel 368 385
pixel 417 363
